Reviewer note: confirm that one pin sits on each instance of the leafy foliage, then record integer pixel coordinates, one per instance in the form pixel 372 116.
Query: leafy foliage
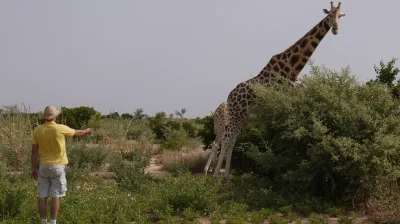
pixel 80 117
pixel 180 113
pixel 199 196
pixel 330 136
pixel 207 132
pixel 157 124
pixel 318 219
pixel 11 197
pixel 126 116
pixel 129 170
pixel 190 128
pixel 113 115
pixel 175 139
pixel 387 75
pixel 15 132
pixel 179 168
pixel 82 157
pixel 139 114
pixel 171 131
pixel 140 129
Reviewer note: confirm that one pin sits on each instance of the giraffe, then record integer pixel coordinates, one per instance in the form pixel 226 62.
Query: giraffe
pixel 287 64
pixel 220 118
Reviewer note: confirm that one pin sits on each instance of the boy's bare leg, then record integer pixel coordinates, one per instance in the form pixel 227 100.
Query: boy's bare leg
pixel 55 206
pixel 42 204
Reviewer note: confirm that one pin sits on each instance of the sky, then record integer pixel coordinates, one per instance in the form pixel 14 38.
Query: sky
pixel 120 55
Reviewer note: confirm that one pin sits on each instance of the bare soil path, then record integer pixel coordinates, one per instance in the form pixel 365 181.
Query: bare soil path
pixel 155 169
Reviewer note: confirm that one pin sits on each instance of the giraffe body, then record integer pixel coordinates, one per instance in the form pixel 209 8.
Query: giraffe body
pixel 220 119
pixel 288 65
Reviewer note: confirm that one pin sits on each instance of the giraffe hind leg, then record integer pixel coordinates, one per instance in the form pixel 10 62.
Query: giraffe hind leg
pixel 212 157
pixel 215 160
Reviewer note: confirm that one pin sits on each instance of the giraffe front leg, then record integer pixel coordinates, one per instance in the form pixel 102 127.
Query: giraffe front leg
pixel 229 157
pixel 221 156
pixel 211 157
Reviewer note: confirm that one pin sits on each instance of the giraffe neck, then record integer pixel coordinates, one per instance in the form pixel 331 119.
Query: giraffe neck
pixel 290 62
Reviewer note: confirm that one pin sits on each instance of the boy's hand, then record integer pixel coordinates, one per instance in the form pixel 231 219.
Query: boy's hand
pixel 35 174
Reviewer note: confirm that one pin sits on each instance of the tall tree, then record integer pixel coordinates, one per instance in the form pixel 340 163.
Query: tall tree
pixel 160 115
pixel 139 114
pixel 79 117
pixel 180 113
pixel 183 111
pixel 387 74
pixel 127 116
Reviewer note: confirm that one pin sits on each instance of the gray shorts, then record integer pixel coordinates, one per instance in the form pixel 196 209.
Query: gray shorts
pixel 52 179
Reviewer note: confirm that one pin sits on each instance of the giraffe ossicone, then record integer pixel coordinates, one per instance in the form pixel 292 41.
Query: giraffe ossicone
pixel 287 64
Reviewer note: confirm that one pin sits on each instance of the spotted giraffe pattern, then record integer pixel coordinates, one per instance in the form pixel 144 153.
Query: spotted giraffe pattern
pixel 220 118
pixel 288 65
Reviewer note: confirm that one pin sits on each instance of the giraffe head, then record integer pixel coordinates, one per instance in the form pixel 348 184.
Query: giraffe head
pixel 334 15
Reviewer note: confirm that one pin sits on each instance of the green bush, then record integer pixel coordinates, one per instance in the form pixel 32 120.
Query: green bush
pixel 238 218
pixel 179 168
pixel 318 219
pixel 172 124
pixel 310 205
pixel 256 217
pixel 161 126
pixel 190 128
pixel 129 170
pixel 82 157
pixel 9 155
pixel 329 136
pixel 346 219
pixel 88 200
pixel 141 161
pixel 80 117
pixel 140 130
pixel 127 116
pixel 157 124
pixel 15 137
pixel 190 214
pixel 12 194
pixel 253 191
pixel 187 192
pixel 76 176
pixel 276 219
pixel 175 139
pixel 101 202
pixel 230 207
pixel 206 133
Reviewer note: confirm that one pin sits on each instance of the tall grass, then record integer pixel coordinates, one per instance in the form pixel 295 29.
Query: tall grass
pixel 384 204
pixel 125 193
pixel 193 160
pixel 15 137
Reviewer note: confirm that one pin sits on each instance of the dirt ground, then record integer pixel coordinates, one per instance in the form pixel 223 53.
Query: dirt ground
pixel 155 169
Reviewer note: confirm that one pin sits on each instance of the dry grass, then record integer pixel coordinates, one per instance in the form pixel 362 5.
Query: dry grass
pixel 196 158
pixel 122 145
pixel 384 205
pixel 15 136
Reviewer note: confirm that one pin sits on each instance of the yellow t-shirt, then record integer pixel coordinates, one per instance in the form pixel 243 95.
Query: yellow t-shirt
pixel 50 137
